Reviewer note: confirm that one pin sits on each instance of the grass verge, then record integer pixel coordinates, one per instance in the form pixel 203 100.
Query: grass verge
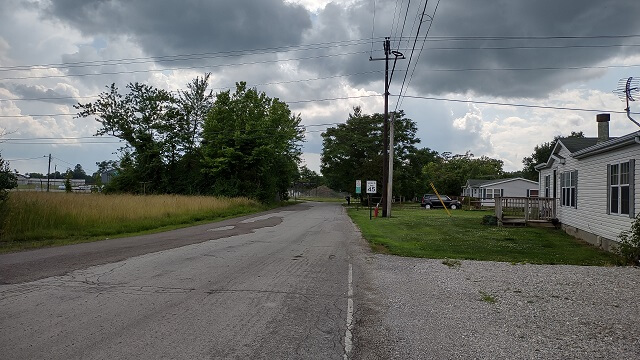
pixel 433 234
pixel 36 219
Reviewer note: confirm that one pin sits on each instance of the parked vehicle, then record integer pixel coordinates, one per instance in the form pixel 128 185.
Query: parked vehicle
pixel 431 201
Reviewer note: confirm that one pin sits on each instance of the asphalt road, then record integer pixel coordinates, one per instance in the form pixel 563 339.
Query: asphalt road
pixel 300 283
pixel 275 285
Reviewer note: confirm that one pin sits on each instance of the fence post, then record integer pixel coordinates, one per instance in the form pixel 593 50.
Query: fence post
pixel 526 210
pixel 498 201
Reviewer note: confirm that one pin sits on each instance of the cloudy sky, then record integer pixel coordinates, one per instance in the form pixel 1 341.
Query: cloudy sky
pixel 481 55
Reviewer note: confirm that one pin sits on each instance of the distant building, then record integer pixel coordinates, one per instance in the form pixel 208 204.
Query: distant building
pixel 108 175
pixel 488 190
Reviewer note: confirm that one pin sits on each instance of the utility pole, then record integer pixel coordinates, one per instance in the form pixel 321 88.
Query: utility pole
pixel 48 172
pixel 386 203
pixel 390 187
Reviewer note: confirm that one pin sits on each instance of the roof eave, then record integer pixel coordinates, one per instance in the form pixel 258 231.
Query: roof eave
pixel 610 145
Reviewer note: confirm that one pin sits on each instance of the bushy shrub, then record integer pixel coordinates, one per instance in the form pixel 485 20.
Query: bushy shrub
pixel 490 220
pixel 629 247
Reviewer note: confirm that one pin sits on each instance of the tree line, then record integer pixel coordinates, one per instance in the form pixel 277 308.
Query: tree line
pixel 240 143
pixel 353 151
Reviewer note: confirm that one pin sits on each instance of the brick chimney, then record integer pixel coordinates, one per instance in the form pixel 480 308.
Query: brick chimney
pixel 603 127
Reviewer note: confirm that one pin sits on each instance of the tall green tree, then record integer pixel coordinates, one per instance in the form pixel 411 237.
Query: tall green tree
pixel 353 150
pixel 78 172
pixel 541 153
pixel 450 172
pixel 250 145
pixel 146 119
pixel 409 181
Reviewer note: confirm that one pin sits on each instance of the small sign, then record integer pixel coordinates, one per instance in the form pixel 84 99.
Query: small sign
pixel 358 186
pixel 371 187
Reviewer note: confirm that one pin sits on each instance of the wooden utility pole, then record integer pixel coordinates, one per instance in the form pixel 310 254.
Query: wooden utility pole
pixel 386 203
pixel 48 172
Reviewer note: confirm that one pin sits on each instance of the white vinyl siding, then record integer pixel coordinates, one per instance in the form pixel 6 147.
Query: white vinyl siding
pixel 592 214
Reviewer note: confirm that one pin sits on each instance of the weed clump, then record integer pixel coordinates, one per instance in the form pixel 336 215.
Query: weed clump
pixel 629 247
pixel 490 220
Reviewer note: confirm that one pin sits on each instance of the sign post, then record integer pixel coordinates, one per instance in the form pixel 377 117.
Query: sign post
pixel 358 192
pixel 371 189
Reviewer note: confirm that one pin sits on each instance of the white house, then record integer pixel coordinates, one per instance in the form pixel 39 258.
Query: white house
pixel 487 190
pixel 594 182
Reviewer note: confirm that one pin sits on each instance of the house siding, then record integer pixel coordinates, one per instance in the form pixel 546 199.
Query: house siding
pixel 510 188
pixel 590 219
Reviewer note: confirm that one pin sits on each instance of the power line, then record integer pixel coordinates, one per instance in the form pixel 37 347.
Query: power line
pixel 115 137
pixel 193 56
pixel 473 38
pixel 513 104
pixel 537 68
pixel 414 46
pixel 373 27
pixel 407 96
pixel 68 163
pixel 528 47
pixel 34 158
pixel 182 67
pixel 394 24
pixel 213 88
pixel 404 21
pixel 302 47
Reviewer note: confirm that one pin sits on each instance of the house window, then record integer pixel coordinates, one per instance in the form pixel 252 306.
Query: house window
pixel 547 186
pixel 492 193
pixel 619 200
pixel 568 182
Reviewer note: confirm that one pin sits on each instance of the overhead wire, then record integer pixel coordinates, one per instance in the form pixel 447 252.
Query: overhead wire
pixel 394 24
pixel 182 67
pixel 192 56
pixel 212 88
pixel 404 21
pixel 373 27
pixel 413 48
pixel 407 96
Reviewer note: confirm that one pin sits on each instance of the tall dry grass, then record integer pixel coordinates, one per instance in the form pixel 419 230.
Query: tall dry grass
pixel 40 215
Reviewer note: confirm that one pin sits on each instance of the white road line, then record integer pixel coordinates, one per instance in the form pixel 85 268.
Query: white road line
pixel 348 344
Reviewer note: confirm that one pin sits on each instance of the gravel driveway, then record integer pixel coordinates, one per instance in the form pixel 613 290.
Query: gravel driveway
pixel 422 309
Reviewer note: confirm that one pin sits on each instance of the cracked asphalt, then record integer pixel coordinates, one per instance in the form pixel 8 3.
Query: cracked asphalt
pixel 276 285
pixel 272 285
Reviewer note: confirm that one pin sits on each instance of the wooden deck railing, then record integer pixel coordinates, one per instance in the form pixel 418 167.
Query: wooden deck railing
pixel 525 208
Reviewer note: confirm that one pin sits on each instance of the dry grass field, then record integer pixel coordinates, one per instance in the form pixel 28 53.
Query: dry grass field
pixel 41 216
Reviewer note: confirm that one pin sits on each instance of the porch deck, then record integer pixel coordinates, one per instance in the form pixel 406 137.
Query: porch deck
pixel 525 211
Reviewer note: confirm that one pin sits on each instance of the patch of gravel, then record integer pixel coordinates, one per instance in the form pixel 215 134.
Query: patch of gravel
pixel 424 309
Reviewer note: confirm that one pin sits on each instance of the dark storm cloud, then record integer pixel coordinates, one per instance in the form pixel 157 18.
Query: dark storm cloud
pixel 33 92
pixel 469 18
pixel 171 27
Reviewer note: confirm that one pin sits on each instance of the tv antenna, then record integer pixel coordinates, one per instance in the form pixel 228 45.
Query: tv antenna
pixel 629 90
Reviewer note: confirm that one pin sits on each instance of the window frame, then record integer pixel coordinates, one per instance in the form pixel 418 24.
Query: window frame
pixel 618 181
pixel 569 189
pixel 547 185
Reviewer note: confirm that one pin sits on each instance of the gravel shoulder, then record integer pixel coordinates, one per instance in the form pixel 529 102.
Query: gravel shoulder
pixel 423 309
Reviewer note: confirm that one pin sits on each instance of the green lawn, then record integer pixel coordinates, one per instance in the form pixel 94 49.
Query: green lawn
pixel 433 234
